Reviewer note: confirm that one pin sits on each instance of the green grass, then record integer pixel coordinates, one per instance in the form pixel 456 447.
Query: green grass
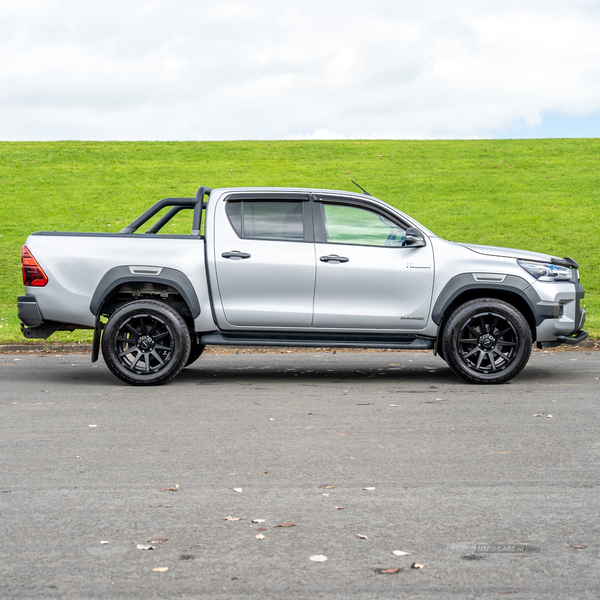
pixel 539 195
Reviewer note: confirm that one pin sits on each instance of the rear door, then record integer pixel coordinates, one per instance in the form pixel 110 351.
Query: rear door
pixel 366 278
pixel 265 260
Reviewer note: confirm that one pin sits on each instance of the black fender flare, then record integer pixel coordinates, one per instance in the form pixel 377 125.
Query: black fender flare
pixel 465 282
pixel 117 276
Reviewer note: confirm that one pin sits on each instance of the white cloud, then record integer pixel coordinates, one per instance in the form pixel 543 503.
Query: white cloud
pixel 186 69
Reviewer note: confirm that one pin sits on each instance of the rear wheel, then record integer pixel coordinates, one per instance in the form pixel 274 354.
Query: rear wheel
pixel 146 343
pixel 487 341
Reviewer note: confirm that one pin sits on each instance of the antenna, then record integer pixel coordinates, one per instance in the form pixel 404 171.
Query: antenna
pixel 360 186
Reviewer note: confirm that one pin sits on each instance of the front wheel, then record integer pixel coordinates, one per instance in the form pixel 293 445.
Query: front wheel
pixel 146 343
pixel 487 341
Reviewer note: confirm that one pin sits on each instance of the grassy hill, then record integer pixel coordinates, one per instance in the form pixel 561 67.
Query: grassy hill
pixel 541 195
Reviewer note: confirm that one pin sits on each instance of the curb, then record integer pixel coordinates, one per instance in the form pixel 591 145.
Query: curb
pixel 73 348
pixel 87 348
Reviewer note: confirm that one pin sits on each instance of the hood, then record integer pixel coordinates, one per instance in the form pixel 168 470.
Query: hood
pixel 509 253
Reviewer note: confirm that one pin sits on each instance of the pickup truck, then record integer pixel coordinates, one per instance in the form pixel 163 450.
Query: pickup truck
pixel 295 267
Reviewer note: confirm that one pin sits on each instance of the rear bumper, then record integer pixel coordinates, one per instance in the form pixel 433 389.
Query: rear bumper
pixel 33 324
pixel 29 311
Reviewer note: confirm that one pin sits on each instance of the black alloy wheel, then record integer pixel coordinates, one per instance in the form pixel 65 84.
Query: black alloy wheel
pixel 146 343
pixel 487 341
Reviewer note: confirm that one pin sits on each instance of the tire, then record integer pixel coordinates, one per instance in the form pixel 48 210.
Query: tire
pixel 195 352
pixel 486 341
pixel 146 343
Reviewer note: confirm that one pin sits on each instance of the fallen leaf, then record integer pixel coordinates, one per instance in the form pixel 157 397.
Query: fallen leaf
pixel 171 489
pixel 238 490
pixel 537 415
pixel 327 487
pixel 232 518
pixel 390 571
pixel 161 569
pixel 258 520
pixel 285 525
pixel 548 416
pixel 342 434
pixel 318 558
pixel 339 507
pixel 144 547
pixel 578 547
pixel 416 566
pixel 325 494
pixel 369 489
pixel 104 542
pixel 260 536
pixel 361 536
pixel 92 425
pixel 400 553
pixel 265 472
pixel 261 529
pixel 157 541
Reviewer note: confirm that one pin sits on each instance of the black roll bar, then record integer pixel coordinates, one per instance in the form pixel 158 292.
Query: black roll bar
pixel 177 205
pixel 197 221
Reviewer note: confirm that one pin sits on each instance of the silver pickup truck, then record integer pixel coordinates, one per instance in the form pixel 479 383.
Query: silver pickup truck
pixel 295 267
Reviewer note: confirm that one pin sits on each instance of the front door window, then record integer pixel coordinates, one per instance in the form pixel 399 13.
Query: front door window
pixel 354 225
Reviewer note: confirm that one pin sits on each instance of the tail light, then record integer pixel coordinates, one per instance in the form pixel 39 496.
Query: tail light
pixel 32 272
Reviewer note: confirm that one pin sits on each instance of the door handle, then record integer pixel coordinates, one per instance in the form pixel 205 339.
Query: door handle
pixel 235 254
pixel 334 258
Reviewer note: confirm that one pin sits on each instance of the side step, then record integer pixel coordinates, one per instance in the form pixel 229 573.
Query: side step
pixel 318 341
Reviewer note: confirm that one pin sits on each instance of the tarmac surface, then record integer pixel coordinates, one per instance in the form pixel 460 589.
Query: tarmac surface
pixel 364 453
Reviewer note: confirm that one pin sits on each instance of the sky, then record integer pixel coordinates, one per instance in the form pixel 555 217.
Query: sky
pixel 315 69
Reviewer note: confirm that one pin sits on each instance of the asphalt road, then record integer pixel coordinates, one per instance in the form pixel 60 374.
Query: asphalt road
pixel 83 460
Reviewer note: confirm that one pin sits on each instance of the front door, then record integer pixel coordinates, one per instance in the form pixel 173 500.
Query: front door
pixel 366 278
pixel 265 262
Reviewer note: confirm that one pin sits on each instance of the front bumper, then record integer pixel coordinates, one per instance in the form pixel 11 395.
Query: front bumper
pixel 565 326
pixel 574 338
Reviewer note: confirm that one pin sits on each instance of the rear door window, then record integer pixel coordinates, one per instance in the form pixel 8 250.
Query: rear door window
pixel 267 220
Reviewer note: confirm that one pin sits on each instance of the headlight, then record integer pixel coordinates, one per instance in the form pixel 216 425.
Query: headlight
pixel 548 272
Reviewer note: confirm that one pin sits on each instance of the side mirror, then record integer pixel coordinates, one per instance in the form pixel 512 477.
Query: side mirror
pixel 414 238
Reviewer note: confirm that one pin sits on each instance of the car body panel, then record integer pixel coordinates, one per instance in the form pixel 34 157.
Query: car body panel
pixel 378 288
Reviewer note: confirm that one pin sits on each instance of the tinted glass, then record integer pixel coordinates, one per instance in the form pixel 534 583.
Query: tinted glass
pixel 353 225
pixel 234 212
pixel 267 220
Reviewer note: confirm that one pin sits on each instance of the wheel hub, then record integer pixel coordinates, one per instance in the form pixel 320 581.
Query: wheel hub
pixel 145 343
pixel 487 341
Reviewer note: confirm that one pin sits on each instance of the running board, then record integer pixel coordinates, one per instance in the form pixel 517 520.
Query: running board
pixel 318 341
